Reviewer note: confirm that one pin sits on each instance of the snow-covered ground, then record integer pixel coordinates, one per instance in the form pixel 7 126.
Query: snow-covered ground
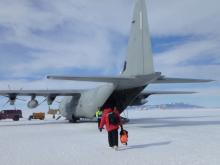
pixel 156 137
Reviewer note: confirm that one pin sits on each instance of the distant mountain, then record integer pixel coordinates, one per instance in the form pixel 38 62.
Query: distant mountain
pixel 168 106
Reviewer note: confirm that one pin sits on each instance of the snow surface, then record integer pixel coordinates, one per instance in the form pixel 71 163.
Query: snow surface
pixel 156 137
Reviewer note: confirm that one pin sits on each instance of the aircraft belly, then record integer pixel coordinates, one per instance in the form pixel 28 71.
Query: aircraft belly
pixel 91 100
pixel 68 106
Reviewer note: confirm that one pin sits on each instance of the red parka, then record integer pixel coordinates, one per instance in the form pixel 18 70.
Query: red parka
pixel 105 121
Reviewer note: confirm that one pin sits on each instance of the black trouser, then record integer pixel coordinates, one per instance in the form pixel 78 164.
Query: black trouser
pixel 113 138
pixel 99 121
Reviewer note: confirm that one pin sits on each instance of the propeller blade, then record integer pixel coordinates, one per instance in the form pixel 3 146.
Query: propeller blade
pixel 58 117
pixel 5 103
pixel 58 101
pixel 21 99
pixel 42 101
pixel 2 97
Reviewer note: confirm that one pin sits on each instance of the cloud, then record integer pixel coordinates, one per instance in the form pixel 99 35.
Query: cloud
pixel 75 35
pixel 61 35
pixel 79 37
pixel 184 17
pixel 190 59
pixel 198 55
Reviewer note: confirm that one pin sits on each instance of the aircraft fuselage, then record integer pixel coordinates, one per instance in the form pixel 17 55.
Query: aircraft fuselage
pixel 87 104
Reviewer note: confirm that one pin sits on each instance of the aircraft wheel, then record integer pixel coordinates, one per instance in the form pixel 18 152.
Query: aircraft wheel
pixel 74 119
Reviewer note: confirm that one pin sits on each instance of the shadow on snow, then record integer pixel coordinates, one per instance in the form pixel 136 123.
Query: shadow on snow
pixel 145 145
pixel 174 121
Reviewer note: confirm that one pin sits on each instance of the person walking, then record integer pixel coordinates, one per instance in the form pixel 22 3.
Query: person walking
pixel 98 115
pixel 112 120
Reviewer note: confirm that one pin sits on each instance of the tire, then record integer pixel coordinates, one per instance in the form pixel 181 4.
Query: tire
pixel 30 117
pixel 16 118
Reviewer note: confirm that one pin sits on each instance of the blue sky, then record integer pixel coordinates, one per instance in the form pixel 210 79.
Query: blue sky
pixel 83 37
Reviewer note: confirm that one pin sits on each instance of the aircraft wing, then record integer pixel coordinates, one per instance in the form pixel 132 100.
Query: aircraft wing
pixel 50 95
pixel 40 92
pixel 165 80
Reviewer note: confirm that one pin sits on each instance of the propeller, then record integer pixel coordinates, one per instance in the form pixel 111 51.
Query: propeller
pixel 11 102
pixel 1 98
pixel 12 98
pixel 58 117
pixel 42 101
pixel 58 101
pixel 5 103
pixel 21 99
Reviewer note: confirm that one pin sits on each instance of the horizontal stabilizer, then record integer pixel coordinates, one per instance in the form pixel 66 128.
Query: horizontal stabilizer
pixel 91 79
pixel 121 82
pixel 141 98
pixel 148 93
pixel 165 80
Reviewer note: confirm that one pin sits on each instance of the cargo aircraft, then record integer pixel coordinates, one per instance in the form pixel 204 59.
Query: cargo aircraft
pixel 124 90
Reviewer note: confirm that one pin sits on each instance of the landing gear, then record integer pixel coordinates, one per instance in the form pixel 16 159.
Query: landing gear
pixel 74 119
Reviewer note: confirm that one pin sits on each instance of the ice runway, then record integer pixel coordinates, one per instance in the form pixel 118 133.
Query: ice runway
pixel 156 137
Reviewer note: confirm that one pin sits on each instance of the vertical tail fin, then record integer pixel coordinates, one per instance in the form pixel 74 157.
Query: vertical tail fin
pixel 139 59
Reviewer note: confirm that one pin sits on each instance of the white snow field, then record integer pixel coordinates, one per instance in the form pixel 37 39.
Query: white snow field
pixel 156 137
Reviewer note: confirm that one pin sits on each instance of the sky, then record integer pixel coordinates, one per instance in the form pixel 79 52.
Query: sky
pixel 84 37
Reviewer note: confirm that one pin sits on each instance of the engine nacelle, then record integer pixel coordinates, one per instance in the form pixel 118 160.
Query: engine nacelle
pixel 12 99
pixel 50 99
pixel 32 104
pixel 11 102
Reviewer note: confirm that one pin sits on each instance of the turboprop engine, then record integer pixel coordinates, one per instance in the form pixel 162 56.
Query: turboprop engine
pixel 32 104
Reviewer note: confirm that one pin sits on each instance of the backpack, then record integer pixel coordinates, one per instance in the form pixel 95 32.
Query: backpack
pixel 113 118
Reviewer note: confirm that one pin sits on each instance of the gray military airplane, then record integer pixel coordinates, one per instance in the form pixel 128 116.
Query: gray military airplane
pixel 121 91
